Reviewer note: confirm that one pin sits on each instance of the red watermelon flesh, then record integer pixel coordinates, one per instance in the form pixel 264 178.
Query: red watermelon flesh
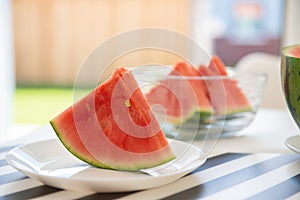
pixel 217 65
pixel 180 96
pixel 228 97
pixel 293 51
pixel 113 127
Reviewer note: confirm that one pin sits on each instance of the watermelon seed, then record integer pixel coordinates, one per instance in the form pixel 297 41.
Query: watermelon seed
pixel 127 103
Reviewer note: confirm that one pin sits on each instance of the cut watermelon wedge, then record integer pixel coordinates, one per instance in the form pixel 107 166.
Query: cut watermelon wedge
pixel 181 95
pixel 113 127
pixel 228 97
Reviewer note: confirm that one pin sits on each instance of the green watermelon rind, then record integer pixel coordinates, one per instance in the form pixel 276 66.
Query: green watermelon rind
pixel 79 156
pixel 200 114
pixel 293 82
pixel 98 164
pixel 208 118
pixel 229 113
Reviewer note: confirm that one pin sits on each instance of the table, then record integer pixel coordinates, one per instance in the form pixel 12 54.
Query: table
pixel 255 165
pixel 266 134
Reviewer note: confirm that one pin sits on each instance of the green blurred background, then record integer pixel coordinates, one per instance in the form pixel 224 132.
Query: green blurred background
pixel 38 105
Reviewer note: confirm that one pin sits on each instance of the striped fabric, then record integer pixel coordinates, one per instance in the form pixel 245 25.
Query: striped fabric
pixel 226 176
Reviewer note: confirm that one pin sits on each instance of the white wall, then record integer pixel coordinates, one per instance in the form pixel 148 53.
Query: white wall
pixel 7 80
pixel 201 29
pixel 292 26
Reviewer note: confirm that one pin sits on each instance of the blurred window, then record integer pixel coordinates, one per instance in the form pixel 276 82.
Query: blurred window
pixel 246 26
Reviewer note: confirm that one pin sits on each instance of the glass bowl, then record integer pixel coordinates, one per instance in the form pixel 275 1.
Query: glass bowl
pixel 201 107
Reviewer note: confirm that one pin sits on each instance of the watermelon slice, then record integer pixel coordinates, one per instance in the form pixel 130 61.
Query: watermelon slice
pixel 181 97
pixel 113 127
pixel 228 97
pixel 290 79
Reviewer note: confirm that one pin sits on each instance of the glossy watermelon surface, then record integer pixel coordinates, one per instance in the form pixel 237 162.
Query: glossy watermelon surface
pixel 113 127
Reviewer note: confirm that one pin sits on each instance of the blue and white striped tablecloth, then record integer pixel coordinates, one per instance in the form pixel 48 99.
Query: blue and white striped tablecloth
pixel 225 176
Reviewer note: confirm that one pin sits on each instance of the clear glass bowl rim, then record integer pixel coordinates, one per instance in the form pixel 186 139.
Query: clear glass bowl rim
pixel 240 75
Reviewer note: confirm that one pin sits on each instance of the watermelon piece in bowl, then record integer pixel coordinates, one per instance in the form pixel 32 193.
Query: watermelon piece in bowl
pixel 227 104
pixel 235 99
pixel 186 97
pixel 217 65
pixel 113 127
